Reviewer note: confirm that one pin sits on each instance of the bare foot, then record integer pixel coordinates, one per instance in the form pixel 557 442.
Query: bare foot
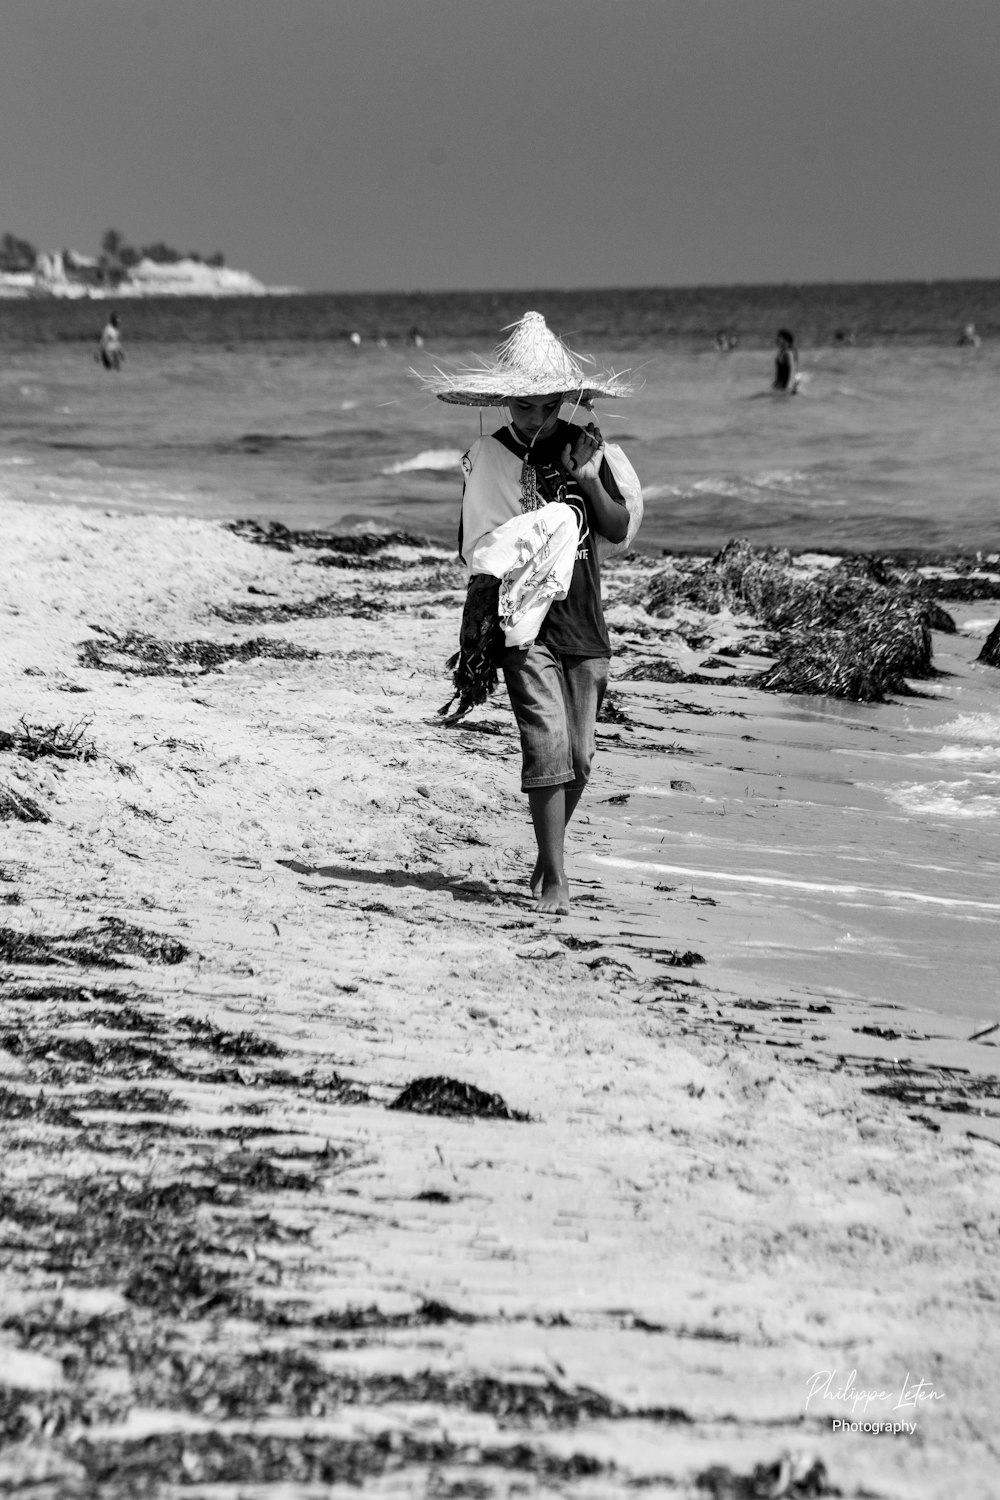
pixel 552 897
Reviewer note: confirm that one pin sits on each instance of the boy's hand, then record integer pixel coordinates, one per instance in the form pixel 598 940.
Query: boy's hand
pixel 583 458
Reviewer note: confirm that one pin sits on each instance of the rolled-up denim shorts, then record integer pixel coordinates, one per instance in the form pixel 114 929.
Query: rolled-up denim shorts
pixel 556 700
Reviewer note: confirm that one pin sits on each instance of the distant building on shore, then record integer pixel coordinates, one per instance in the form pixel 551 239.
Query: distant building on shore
pixel 68 273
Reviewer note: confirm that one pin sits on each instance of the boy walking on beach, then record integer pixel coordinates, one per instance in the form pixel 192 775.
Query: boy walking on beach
pixel 556 652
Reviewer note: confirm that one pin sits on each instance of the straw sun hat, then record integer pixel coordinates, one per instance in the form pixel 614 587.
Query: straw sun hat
pixel 532 362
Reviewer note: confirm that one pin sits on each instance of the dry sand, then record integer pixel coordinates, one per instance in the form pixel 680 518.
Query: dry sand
pixel 229 1269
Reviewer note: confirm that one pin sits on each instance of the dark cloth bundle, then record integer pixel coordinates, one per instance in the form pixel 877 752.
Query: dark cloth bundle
pixel 474 667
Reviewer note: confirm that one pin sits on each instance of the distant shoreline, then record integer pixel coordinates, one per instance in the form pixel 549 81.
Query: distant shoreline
pixel 53 279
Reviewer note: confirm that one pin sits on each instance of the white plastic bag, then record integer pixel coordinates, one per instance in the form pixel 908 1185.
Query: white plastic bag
pixel 628 482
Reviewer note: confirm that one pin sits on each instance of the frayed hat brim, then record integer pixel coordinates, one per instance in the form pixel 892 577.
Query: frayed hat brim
pixel 532 362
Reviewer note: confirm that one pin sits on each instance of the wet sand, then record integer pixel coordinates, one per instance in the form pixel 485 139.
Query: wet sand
pixel 712 1167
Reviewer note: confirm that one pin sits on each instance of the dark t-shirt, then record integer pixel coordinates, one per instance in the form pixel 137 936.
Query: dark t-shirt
pixel 574 626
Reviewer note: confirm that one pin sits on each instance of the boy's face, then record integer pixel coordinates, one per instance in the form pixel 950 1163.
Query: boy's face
pixel 535 416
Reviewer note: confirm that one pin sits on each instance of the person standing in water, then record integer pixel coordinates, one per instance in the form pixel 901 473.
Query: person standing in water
pixel 539 494
pixel 786 364
pixel 109 349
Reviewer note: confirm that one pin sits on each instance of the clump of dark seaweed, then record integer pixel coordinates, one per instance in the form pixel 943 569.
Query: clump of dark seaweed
pixel 962 577
pixel 613 713
pixel 857 630
pixel 325 607
pixel 103 946
pixel 118 1469
pixel 447 1096
pixel 667 671
pixel 990 654
pixel 175 1247
pixel 793 1478
pixel 359 544
pixel 35 741
pixel 964 588
pixel 234 1044
pixel 14 804
pixel 379 563
pixel 145 656
pixel 298 1383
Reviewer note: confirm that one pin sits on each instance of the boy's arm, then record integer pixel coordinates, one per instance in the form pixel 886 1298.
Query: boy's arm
pixel 608 513
pixel 608 516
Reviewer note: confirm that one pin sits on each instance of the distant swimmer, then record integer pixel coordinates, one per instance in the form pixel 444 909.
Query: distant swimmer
pixel 725 341
pixel 109 349
pixel 415 337
pixel 970 338
pixel 355 339
pixel 786 364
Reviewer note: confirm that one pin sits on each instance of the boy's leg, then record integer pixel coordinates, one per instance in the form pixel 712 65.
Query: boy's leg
pixel 549 885
pixel 585 680
pixel 535 683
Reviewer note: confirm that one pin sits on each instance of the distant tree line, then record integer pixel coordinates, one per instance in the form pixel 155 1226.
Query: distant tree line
pixel 116 257
pixel 115 251
pixel 17 254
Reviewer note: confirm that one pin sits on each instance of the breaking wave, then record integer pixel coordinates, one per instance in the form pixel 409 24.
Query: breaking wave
pixel 441 460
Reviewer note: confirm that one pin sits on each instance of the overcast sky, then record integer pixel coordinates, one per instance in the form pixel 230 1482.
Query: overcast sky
pixel 431 144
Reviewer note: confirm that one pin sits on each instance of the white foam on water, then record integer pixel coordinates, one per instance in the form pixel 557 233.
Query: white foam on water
pixel 431 458
pixel 967 754
pixel 747 487
pixel 944 799
pixel 979 627
pixel 779 479
pixel 975 727
pixel 810 887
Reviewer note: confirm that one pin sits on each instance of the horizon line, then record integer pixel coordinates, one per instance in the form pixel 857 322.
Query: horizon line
pixel 651 286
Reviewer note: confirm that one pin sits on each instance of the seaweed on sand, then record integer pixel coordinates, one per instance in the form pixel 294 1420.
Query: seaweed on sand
pixel 857 630
pixel 123 1469
pixel 990 654
pixel 792 1477
pixel 14 804
pixel 239 1045
pixel 303 1385
pixel 447 1096
pixel 145 656
pixel 862 658
pixel 666 671
pixel 325 607
pixel 359 544
pixel 35 741
pixel 103 946
pixel 161 1243
pixel 964 589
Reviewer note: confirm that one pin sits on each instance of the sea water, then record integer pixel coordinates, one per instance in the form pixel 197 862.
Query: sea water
pixel 885 819
pixel 262 407
pixel 848 848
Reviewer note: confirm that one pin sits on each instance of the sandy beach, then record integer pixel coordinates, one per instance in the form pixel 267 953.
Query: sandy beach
pixel 714 1211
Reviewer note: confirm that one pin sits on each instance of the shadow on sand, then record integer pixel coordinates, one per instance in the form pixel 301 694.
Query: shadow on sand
pixel 425 880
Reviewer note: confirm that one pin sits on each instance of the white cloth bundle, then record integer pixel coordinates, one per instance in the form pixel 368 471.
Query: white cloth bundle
pixel 533 555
